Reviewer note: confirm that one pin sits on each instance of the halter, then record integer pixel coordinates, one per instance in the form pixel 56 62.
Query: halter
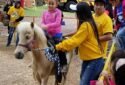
pixel 27 45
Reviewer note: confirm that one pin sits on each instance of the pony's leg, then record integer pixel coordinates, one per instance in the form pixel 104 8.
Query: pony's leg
pixel 56 83
pixel 64 75
pixel 30 64
pixel 44 81
pixel 37 77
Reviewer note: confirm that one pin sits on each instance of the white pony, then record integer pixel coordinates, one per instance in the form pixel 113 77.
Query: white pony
pixel 31 37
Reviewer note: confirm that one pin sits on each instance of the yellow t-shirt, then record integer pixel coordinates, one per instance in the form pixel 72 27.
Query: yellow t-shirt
pixel 86 42
pixel 15 14
pixel 104 25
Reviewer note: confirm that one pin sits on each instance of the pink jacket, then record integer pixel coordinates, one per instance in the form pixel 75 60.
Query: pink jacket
pixel 53 21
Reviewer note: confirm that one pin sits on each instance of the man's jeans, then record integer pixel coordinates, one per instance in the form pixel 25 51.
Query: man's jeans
pixel 11 32
pixel 90 70
pixel 120 38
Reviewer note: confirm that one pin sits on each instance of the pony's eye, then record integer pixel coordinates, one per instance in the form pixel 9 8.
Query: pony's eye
pixel 27 37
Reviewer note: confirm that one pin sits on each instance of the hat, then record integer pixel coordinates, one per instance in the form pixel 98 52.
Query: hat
pixel 120 63
pixel 79 6
pixel 102 1
pixel 73 7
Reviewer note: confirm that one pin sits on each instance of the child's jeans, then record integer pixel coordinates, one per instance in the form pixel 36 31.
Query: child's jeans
pixel 11 32
pixel 57 38
pixel 121 38
pixel 62 55
pixel 90 70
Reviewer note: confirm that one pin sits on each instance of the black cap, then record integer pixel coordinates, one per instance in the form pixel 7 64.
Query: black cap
pixel 17 2
pixel 80 6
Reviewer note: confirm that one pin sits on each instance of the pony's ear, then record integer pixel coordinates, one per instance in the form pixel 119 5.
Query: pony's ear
pixel 32 24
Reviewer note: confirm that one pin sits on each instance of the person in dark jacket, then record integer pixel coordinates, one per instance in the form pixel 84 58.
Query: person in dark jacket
pixel 109 9
pixel 6 9
pixel 7 6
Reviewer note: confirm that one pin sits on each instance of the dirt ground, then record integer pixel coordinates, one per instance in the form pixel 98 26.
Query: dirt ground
pixel 17 72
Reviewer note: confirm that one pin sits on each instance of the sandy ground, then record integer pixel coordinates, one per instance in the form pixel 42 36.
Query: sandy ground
pixel 17 72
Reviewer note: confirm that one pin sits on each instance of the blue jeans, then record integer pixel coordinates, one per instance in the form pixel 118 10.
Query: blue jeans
pixel 120 38
pixel 11 32
pixel 90 70
pixel 57 38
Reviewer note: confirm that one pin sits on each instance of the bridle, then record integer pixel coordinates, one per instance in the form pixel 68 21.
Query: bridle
pixel 29 48
pixel 27 45
pixel 31 41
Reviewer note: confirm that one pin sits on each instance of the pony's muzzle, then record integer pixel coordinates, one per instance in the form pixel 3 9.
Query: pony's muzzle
pixel 19 55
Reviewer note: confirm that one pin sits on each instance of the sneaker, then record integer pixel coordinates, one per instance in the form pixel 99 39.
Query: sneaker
pixel 64 68
pixel 8 44
pixel 59 83
pixel 7 35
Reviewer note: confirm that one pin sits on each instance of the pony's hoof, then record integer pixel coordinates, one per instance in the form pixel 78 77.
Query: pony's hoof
pixel 30 65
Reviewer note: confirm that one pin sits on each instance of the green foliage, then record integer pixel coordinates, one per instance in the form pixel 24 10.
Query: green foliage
pixel 34 11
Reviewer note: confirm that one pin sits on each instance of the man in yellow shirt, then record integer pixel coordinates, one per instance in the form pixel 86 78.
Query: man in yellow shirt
pixel 104 24
pixel 16 14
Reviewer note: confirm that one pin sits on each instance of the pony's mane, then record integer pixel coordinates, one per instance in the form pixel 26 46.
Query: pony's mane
pixel 25 26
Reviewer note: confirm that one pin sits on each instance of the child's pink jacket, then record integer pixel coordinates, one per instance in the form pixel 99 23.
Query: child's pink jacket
pixel 53 21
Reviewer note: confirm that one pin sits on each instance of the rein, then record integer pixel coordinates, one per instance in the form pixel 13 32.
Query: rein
pixel 26 46
pixel 31 41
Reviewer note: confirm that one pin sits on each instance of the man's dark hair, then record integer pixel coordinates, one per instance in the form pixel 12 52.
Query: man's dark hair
pixel 101 1
pixel 16 3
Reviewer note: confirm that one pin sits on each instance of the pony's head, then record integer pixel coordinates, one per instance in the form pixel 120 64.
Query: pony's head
pixel 30 36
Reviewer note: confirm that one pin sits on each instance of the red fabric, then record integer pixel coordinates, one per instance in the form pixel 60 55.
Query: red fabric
pixel 93 82
pixel 123 6
pixel 22 3
pixel 108 82
pixel 116 27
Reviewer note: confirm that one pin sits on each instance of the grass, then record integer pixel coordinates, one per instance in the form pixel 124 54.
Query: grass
pixel 36 11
